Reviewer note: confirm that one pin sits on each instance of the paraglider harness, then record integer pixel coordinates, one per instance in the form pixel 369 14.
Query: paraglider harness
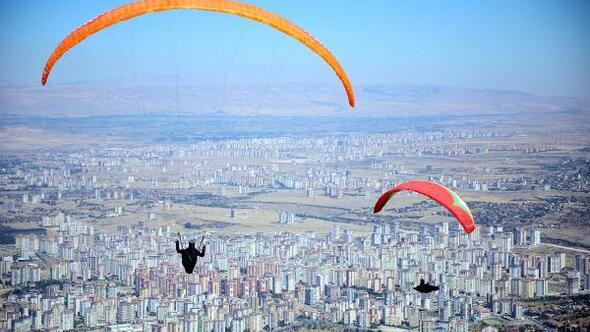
pixel 190 254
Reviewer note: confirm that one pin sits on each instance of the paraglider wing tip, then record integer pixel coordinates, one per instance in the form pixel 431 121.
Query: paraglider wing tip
pixel 350 95
pixel 469 229
pixel 44 77
pixel 380 204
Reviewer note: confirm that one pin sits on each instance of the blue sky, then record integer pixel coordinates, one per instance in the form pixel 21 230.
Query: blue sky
pixel 537 46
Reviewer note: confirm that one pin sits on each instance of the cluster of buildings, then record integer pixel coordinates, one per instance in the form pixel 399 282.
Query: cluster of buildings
pixel 133 279
pixel 273 163
pixel 75 277
pixel 287 218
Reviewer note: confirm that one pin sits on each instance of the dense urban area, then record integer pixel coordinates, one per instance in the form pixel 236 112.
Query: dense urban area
pixel 88 233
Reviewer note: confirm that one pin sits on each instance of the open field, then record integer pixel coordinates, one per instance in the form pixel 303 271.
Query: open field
pixel 217 220
pixel 494 151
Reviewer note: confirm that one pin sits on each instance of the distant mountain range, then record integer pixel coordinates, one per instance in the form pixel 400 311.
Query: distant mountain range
pixel 284 99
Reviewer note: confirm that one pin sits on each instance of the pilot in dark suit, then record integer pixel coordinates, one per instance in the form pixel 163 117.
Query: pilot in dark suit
pixel 189 255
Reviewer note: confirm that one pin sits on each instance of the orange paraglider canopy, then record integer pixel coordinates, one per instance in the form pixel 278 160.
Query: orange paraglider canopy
pixel 138 8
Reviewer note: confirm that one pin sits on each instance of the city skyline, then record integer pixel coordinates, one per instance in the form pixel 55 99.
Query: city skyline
pixel 292 242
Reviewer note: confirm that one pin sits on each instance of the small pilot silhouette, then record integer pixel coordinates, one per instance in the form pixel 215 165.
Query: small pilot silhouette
pixel 425 287
pixel 189 255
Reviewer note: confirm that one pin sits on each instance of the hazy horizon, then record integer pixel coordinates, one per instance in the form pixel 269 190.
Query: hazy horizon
pixel 535 47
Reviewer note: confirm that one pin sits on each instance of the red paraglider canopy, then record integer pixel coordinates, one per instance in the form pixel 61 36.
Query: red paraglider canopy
pixel 442 195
